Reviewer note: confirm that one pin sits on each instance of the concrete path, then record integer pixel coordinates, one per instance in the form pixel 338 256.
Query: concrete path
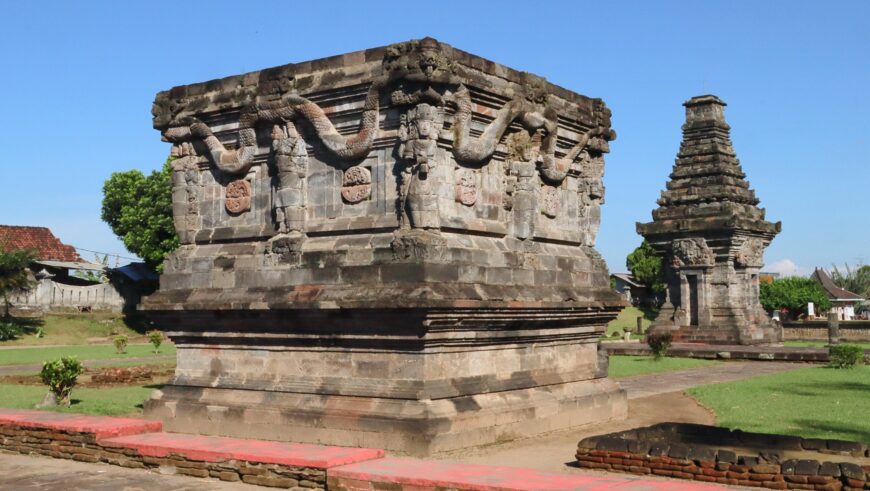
pixel 28 472
pixel 661 383
pixel 36 367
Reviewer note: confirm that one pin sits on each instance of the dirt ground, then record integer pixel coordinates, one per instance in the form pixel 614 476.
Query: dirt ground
pixel 555 452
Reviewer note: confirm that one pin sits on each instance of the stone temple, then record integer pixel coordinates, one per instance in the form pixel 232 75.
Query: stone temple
pixel 388 248
pixel 712 235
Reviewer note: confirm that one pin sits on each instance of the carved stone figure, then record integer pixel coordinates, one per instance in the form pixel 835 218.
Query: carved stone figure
pixel 523 153
pixel 418 133
pixel 186 189
pixel 708 215
pixel 291 165
pixel 238 196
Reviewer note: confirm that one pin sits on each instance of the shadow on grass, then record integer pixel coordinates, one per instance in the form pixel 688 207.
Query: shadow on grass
pixel 813 390
pixel 137 322
pixel 649 313
pixel 853 432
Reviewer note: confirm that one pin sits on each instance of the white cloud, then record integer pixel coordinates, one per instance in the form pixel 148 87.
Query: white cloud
pixel 786 267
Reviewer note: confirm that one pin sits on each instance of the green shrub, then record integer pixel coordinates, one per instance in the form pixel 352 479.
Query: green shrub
pixel 845 356
pixel 659 343
pixel 156 338
pixel 9 331
pixel 60 377
pixel 121 344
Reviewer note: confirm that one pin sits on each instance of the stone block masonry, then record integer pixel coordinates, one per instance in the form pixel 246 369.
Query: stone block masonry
pixel 390 248
pixel 717 455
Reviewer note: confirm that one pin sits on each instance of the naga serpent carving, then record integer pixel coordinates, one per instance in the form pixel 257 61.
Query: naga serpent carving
pixel 290 107
pixel 470 150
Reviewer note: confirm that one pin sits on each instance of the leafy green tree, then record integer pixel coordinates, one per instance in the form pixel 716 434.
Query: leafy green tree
pixel 14 275
pixel 138 208
pixel 855 279
pixel 646 267
pixel 793 293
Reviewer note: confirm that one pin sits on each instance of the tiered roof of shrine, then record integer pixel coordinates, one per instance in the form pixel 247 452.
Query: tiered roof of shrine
pixel 707 188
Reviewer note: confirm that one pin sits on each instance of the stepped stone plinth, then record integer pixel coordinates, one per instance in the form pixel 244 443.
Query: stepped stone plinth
pixel 391 248
pixel 711 233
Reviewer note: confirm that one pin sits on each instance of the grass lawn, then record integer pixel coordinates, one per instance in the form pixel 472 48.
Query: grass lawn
pixel 93 352
pixel 814 402
pixel 114 401
pixel 626 366
pixel 628 318
pixel 821 344
pixel 79 328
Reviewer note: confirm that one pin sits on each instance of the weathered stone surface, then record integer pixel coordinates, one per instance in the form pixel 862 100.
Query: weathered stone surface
pixel 413 268
pixel 711 234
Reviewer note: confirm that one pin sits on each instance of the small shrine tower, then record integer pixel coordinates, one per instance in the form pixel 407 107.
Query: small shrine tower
pixel 711 234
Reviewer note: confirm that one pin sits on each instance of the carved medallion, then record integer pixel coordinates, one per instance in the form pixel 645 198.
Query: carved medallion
pixel 238 196
pixel 694 252
pixel 550 203
pixel 465 187
pixel 356 185
pixel 750 253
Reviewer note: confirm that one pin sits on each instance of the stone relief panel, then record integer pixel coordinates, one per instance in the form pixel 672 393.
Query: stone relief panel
pixel 465 187
pixel 550 202
pixel 692 252
pixel 356 184
pixel 750 254
pixel 238 196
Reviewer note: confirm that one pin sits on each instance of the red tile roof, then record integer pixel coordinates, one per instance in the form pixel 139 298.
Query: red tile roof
pixel 39 239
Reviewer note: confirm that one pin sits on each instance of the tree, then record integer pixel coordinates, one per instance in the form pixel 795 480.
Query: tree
pixel 646 267
pixel 138 208
pixel 14 275
pixel 854 279
pixel 792 293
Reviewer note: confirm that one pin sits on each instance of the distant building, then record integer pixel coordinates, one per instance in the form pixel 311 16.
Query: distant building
pixel 843 302
pixel 634 292
pixel 57 286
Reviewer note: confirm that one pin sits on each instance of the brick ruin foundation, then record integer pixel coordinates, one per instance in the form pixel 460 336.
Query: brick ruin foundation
pixel 713 454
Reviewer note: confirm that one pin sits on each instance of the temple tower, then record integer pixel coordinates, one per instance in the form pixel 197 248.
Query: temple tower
pixel 711 233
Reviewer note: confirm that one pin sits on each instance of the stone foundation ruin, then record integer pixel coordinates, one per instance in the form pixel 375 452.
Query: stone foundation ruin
pixel 389 248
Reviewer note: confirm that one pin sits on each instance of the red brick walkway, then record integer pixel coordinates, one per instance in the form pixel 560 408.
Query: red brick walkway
pixel 346 468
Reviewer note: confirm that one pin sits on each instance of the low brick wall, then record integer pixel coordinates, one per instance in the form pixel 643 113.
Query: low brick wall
pixel 674 450
pixel 818 331
pixel 84 447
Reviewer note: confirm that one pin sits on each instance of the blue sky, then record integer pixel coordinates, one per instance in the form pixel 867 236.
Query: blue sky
pixel 79 77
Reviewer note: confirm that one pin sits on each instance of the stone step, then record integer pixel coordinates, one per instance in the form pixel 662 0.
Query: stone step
pixel 216 449
pixel 98 426
pixel 396 473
